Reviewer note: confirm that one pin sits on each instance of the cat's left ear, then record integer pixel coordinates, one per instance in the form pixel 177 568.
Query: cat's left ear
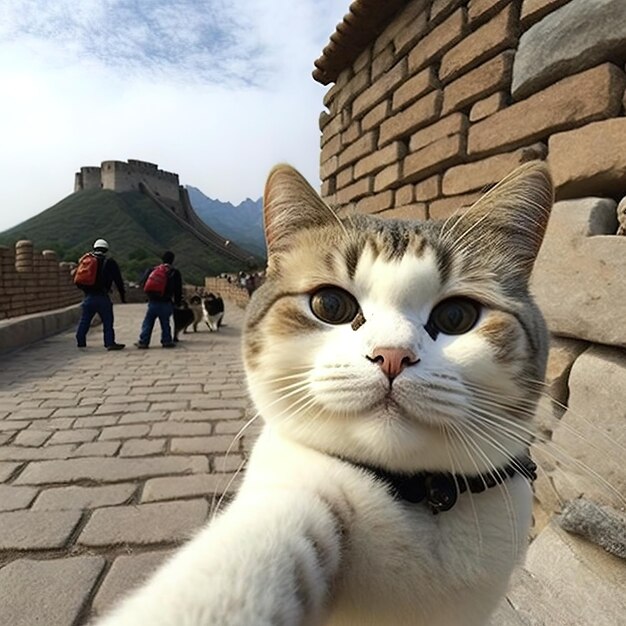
pixel 289 205
pixel 513 216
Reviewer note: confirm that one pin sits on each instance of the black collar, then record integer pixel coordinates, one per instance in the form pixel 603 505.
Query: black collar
pixel 441 490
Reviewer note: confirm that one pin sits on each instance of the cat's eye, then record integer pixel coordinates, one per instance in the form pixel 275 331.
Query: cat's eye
pixel 454 316
pixel 334 305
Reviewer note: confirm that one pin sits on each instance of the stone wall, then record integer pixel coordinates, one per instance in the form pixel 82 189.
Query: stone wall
pixel 453 94
pixel 31 282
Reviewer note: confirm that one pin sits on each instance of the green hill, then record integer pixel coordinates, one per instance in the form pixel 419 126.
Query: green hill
pixel 137 230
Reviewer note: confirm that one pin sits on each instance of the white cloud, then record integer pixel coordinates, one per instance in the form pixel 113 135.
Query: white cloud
pixel 217 91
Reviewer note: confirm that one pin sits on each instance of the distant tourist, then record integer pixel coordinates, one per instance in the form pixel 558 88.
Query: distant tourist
pixel 95 275
pixel 163 285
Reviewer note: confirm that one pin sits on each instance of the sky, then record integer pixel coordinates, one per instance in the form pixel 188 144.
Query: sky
pixel 217 91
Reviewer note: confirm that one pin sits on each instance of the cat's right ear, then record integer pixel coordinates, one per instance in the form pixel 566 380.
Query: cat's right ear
pixel 289 205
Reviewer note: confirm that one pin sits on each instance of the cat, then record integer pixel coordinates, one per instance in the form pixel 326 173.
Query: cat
pixel 393 364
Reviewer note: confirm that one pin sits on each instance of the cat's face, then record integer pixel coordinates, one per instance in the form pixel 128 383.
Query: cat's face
pixel 405 344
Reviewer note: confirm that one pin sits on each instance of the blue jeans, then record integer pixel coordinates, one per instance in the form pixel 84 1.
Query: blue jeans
pixel 101 304
pixel 163 311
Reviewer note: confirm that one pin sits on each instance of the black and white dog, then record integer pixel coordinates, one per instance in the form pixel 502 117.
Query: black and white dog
pixel 213 311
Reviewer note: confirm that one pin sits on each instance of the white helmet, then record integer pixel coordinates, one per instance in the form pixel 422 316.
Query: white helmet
pixel 100 243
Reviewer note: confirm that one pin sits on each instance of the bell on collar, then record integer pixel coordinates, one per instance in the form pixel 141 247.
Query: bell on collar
pixel 441 492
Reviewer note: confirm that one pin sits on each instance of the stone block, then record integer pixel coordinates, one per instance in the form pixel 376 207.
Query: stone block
pixel 375 203
pixel 382 61
pixel 360 148
pixel 479 11
pixel 414 211
pixel 126 574
pixel 143 447
pixel 7 470
pixel 420 113
pixel 351 134
pixel 14 498
pixel 37 591
pixel 491 76
pixel 436 156
pixel 180 429
pixel 440 9
pixel 143 524
pixel 590 161
pixel 108 469
pixel 74 497
pixel 484 108
pixel 586 584
pixel 225 463
pixel 97 448
pixel 451 125
pixel 591 436
pixel 577 36
pixel 496 35
pixel 356 85
pixel 578 279
pixel 32 437
pixel 388 178
pixel 19 453
pixel 478 174
pixel 375 162
pixel 414 87
pixel 428 189
pixel 78 435
pixel 376 116
pixel 176 487
pixel 437 41
pixel 412 32
pixel 534 10
pixel 331 148
pixel 380 88
pixel 37 530
pixel 576 100
pixel 356 190
pixel 404 195
pixel 124 432
pixel 203 445
pixel 445 207
pixel 344 178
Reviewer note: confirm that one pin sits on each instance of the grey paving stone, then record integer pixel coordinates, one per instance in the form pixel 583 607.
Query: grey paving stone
pixel 13 425
pixel 30 530
pixel 7 470
pixel 13 498
pixel 143 447
pixel 17 453
pixel 96 421
pixel 108 469
pixel 144 523
pixel 76 435
pixel 204 445
pixel 74 497
pixel 205 415
pixel 47 593
pixel 97 448
pixel 227 463
pixel 128 431
pixel 172 487
pixel 126 574
pixel 180 429
pixel 31 437
pixel 143 416
pixel 219 403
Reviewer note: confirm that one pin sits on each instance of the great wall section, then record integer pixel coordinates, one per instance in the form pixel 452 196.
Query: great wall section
pixel 164 189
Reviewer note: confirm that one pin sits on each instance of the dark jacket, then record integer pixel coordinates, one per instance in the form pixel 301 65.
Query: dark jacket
pixel 108 273
pixel 173 290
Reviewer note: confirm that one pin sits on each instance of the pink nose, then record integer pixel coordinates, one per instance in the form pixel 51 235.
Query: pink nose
pixel 393 360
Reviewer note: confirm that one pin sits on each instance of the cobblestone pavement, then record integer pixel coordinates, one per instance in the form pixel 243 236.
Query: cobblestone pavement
pixel 109 460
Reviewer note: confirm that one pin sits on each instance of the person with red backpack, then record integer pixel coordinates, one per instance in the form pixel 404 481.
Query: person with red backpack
pixel 95 275
pixel 163 285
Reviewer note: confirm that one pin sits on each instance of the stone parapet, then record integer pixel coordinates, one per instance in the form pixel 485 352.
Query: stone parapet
pixel 31 282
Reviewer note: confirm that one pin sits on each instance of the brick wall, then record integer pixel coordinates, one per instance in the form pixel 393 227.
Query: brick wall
pixel 31 282
pixel 454 94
